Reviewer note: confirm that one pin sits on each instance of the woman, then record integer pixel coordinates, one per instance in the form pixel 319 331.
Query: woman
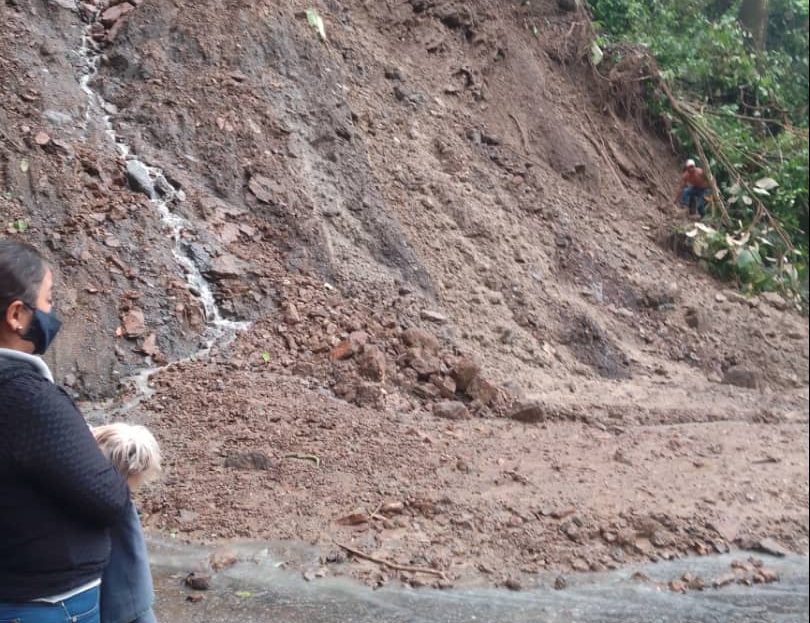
pixel 58 493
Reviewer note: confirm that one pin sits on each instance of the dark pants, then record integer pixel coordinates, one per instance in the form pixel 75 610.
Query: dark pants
pixel 83 608
pixel 696 197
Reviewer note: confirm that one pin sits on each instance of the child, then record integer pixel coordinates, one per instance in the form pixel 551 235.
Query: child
pixel 127 594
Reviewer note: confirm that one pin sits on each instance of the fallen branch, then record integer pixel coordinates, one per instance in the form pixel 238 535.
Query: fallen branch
pixel 391 565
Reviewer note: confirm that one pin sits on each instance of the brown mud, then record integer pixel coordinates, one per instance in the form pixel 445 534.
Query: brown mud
pixel 447 242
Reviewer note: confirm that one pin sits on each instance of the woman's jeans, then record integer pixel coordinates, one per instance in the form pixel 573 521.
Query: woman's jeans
pixel 83 608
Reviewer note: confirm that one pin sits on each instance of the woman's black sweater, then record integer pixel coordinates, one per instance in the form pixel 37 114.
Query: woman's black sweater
pixel 58 493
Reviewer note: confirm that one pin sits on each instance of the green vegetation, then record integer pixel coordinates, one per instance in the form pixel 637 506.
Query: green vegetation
pixel 736 98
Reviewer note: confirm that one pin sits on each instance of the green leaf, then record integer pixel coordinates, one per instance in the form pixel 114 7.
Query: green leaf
pixel 243 594
pixel 316 21
pixel 20 225
pixel 266 357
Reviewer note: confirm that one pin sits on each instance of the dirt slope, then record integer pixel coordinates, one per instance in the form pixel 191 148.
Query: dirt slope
pixel 432 214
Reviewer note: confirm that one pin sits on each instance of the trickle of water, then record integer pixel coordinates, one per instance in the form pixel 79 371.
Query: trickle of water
pixel 162 195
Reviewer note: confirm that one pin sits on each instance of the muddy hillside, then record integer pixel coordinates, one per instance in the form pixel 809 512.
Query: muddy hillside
pixel 404 269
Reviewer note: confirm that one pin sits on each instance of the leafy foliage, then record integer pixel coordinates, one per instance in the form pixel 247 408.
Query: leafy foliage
pixel 754 107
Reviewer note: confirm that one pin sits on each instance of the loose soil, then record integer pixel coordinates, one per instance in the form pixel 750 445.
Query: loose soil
pixel 468 351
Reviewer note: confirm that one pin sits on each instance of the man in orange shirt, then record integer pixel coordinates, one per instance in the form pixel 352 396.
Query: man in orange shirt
pixel 694 186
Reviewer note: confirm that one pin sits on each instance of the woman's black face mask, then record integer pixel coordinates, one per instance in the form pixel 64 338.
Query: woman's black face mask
pixel 43 329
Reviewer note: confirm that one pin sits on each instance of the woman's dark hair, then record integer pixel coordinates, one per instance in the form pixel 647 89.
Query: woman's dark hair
pixel 22 270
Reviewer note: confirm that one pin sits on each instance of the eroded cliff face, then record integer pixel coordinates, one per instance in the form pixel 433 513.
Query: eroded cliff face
pixel 430 214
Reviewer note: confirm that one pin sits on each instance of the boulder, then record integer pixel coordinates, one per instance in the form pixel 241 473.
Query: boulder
pixel 529 412
pixel 114 13
pixel 741 376
pixel 451 410
pixel 464 373
pixel 371 364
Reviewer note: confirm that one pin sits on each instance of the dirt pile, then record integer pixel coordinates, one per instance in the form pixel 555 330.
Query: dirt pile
pixel 447 243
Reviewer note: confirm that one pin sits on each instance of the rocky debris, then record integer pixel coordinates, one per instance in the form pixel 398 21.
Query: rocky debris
pixel 451 410
pixel 742 376
pixel 254 460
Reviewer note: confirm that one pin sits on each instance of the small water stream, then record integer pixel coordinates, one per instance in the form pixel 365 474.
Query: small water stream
pixel 163 195
pixel 257 590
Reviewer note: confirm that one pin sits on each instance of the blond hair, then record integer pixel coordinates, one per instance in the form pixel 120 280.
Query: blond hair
pixel 132 450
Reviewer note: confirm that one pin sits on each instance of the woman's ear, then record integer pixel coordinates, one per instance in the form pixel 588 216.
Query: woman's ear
pixel 16 317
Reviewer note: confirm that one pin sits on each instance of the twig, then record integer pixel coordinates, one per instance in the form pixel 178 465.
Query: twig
pixel 391 565
pixel 523 136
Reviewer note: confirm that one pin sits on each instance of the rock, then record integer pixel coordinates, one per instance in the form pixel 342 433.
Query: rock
pixel 451 410
pixel 344 350
pixel 433 316
pixel 464 372
pixel 226 266
pixel 724 580
pixel 560 583
pixel 265 189
pixel 149 346
pixel 697 319
pixel 195 598
pixel 677 586
pixel 420 339
pixel 42 139
pixel 291 315
pixel 513 585
pixel 114 13
pixel 568 5
pixel 741 376
pixel 720 297
pixel 222 558
pixel 774 300
pixel 765 576
pixel 252 460
pixel 198 581
pixel 772 547
pixel 139 179
pixel 371 364
pixel 392 508
pixel 482 390
pixel 133 323
pixel 445 385
pixel 425 366
pixel 530 412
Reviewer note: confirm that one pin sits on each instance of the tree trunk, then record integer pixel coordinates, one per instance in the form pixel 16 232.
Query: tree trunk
pixel 754 18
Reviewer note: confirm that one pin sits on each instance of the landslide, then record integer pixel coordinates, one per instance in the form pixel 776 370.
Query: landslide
pixel 435 212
